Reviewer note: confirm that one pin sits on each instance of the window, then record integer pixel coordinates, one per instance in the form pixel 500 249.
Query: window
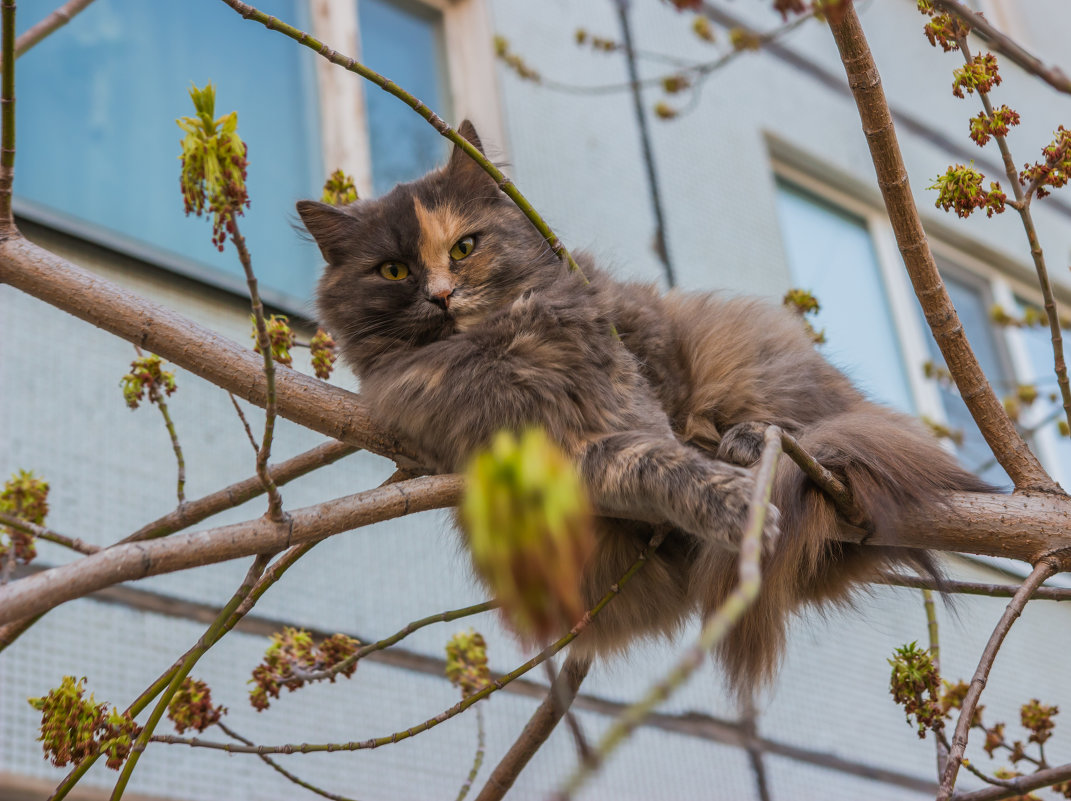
pixel 98 144
pixel 830 254
pixel 844 252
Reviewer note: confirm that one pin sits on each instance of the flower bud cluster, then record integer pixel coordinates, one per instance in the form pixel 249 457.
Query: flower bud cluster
pixel 74 728
pixel 24 496
pixel 214 165
pixel 291 653
pixel 147 379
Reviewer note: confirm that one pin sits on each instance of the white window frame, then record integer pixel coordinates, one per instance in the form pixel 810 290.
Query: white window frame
pixel 471 82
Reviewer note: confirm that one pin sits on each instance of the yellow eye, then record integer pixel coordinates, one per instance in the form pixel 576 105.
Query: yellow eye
pixel 393 270
pixel 462 248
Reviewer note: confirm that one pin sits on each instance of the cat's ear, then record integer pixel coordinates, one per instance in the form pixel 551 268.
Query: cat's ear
pixel 460 163
pixel 332 228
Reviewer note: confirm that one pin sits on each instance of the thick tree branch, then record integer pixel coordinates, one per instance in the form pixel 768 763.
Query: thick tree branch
pixel 1024 526
pixel 1042 570
pixel 312 403
pixel 42 591
pixel 986 409
pixel 998 41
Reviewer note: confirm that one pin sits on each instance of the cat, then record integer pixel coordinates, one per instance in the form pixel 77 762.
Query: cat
pixel 459 321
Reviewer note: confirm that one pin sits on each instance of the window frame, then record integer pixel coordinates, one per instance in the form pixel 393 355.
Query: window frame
pixel 470 82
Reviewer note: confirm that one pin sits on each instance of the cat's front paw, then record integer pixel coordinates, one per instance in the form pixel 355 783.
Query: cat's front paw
pixel 742 444
pixel 726 508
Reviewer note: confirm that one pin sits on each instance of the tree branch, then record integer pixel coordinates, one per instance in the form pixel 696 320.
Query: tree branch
pixel 539 727
pixel 1022 207
pixel 1042 570
pixel 986 409
pixel 193 512
pixel 308 401
pixel 275 500
pixel 973 588
pixel 57 19
pixel 661 242
pixel 211 636
pixel 1000 42
pixel 271 763
pixel 7 114
pixel 42 591
pixel 1019 786
pixel 43 533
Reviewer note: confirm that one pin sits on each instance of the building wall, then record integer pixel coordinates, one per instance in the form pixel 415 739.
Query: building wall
pixel 576 157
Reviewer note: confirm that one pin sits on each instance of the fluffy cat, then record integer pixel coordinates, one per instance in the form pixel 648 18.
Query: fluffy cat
pixel 460 321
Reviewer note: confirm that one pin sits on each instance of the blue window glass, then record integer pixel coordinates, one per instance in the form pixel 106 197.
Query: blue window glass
pixel 404 42
pixel 972 302
pixel 831 255
pixel 97 140
pixel 1048 408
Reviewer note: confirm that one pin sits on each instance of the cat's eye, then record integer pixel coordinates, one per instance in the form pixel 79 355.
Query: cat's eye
pixel 393 270
pixel 462 248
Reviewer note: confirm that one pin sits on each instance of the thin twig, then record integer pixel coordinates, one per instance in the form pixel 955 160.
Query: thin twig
pixel 1022 206
pixel 973 587
pixel 207 640
pixel 1000 42
pixel 245 424
pixel 267 760
pixel 442 617
pixel 266 580
pixel 832 486
pixel 1019 786
pixel 935 656
pixel 7 114
pixel 1042 570
pixel 43 533
pixel 661 241
pixel 559 698
pixel 57 19
pixel 693 71
pixel 275 500
pixel 194 512
pixel 494 686
pixel 987 411
pixel 175 446
pixel 716 626
pixel 505 184
pixel 477 761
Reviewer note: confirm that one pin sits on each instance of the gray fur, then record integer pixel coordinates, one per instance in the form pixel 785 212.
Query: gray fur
pixel 663 424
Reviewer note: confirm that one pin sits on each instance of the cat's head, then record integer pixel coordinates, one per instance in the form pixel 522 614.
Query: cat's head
pixel 427 259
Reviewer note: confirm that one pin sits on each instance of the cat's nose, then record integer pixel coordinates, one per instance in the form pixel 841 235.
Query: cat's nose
pixel 441 298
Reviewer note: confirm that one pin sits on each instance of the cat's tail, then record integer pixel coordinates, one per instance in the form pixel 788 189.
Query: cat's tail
pixel 892 466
